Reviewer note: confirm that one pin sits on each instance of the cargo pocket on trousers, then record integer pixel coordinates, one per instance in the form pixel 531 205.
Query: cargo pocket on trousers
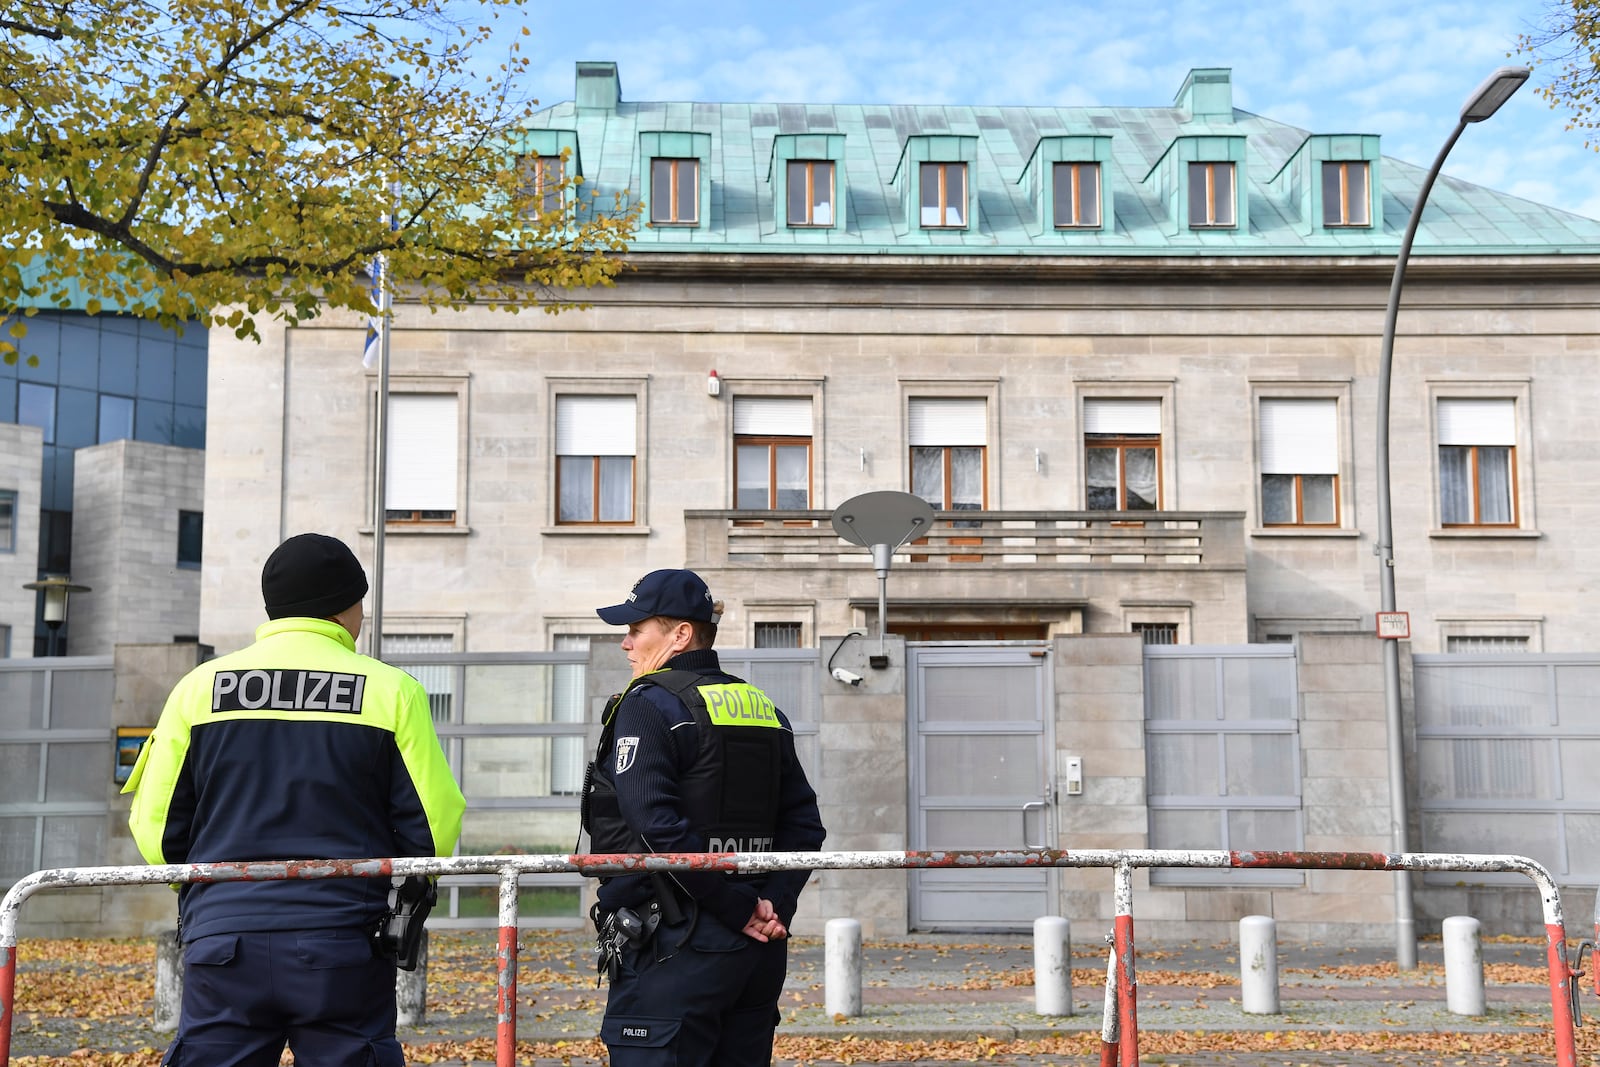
pixel 217 950
pixel 334 949
pixel 635 1040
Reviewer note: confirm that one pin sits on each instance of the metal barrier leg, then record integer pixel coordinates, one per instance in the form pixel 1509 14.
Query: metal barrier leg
pixel 1127 983
pixel 8 998
pixel 1108 1022
pixel 1561 980
pixel 505 1029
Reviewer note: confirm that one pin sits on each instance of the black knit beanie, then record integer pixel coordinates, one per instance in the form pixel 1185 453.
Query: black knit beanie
pixel 312 576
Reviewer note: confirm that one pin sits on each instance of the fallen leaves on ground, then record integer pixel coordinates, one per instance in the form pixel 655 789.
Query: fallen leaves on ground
pixel 76 980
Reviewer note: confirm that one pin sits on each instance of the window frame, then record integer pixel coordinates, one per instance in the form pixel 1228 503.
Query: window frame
pixel 1341 217
pixel 49 427
pixel 1337 392
pixel 543 195
pixel 977 394
pixel 674 185
pixel 1209 170
pixel 809 169
pixel 1122 444
pixel 9 498
pixel 1078 200
pixel 1163 393
pixel 1474 482
pixel 198 560
pixel 941 168
pixel 1519 459
pixel 562 387
pixel 412 385
pixel 1298 522
pixel 772 442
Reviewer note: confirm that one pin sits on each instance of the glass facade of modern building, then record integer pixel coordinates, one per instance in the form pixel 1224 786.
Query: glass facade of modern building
pixel 87 379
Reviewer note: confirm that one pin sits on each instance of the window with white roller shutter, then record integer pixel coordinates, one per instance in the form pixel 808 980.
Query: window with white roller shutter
pixel 1477 461
pixel 1122 454
pixel 596 446
pixel 421 482
pixel 948 438
pixel 772 452
pixel 1299 461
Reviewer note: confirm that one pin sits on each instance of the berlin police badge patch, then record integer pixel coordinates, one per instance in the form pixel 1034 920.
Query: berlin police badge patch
pixel 627 748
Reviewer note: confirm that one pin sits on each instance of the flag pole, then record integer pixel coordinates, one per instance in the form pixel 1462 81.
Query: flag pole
pixel 381 476
pixel 380 479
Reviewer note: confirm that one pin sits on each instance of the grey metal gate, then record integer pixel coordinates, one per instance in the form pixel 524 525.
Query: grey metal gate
pixel 980 779
pixel 56 759
pixel 1508 755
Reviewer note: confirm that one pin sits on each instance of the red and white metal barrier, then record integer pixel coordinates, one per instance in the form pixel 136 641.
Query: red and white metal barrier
pixel 1121 1041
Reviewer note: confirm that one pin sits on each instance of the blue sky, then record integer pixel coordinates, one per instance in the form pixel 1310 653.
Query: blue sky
pixel 1399 70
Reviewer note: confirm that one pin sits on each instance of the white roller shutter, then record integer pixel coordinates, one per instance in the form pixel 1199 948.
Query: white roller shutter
pixel 1122 416
pixel 945 422
pixel 1477 422
pixel 595 426
pixel 423 438
pixel 772 416
pixel 1299 436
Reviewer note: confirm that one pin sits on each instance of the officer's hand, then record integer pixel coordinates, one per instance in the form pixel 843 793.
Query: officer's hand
pixel 764 924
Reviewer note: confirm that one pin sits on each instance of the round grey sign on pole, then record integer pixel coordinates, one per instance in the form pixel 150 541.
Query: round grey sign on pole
pixel 881 522
pixel 882 518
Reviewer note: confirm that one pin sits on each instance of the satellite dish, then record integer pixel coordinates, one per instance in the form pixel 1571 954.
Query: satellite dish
pixel 882 518
pixel 881 522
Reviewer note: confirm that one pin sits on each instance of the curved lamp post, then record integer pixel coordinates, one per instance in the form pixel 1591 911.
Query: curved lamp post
pixel 1484 101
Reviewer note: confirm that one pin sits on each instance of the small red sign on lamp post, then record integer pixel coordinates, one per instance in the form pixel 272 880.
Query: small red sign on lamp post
pixel 1395 625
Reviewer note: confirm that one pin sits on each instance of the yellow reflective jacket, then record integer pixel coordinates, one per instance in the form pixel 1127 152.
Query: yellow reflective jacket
pixel 296 747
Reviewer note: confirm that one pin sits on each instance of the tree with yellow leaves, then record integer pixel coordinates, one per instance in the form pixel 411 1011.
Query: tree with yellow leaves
pixel 1567 46
pixel 225 159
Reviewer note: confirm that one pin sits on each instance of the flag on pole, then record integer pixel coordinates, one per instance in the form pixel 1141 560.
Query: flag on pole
pixel 375 322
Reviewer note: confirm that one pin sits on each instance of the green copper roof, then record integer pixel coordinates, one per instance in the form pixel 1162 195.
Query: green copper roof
pixel 1144 154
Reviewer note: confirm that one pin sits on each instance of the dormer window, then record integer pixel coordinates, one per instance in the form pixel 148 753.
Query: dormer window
pixel 811 194
pixel 944 195
pixel 541 182
pixel 1211 196
pixel 675 191
pixel 1076 189
pixel 1346 196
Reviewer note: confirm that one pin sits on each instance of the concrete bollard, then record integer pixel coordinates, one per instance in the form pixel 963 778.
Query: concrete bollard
pixel 1463 966
pixel 1258 964
pixel 411 989
pixel 169 984
pixel 842 972
pixel 1052 966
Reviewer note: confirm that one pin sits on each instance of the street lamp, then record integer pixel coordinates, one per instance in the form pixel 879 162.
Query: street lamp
pixel 1484 101
pixel 56 588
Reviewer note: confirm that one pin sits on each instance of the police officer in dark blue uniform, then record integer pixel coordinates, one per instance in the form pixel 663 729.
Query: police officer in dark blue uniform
pixel 692 759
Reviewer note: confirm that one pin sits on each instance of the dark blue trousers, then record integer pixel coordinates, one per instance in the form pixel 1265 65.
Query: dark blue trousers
pixel 321 992
pixel 700 995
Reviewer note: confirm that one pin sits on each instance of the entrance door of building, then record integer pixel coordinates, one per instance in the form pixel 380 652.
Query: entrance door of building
pixel 980 779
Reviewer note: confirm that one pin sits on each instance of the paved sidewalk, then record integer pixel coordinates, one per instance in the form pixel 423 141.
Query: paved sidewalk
pixel 977 988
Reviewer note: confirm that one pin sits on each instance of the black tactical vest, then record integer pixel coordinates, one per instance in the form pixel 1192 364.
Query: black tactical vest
pixel 730 791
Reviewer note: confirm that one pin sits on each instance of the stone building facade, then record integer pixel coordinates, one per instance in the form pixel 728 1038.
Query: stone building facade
pixel 1128 355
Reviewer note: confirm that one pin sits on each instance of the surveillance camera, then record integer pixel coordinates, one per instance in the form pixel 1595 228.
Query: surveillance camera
pixel 847 677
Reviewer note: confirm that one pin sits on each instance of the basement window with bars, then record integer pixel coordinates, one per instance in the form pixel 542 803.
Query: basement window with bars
pixel 1157 633
pixel 777 634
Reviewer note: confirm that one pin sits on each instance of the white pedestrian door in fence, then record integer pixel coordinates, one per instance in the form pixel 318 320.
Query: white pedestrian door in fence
pixel 979 748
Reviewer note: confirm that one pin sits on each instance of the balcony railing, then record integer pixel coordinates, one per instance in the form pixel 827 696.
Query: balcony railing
pixel 1182 540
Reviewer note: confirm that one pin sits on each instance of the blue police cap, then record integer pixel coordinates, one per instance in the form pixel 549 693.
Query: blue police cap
pixel 674 594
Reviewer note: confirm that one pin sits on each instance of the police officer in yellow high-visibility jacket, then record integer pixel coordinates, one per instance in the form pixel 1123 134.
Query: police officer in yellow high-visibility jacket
pixel 293 748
